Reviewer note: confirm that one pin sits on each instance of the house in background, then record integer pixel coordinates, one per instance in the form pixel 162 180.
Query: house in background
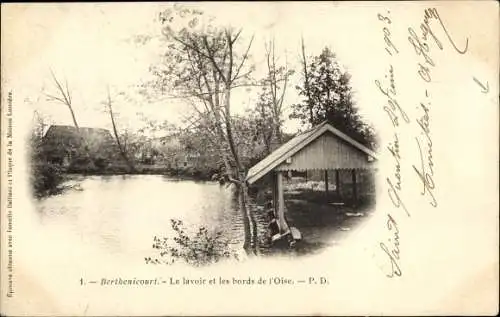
pixel 159 151
pixel 62 144
pixel 170 152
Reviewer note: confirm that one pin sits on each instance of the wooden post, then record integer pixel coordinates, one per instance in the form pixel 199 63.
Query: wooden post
pixel 281 203
pixel 354 189
pixel 337 182
pixel 326 181
pixel 273 224
pixel 275 195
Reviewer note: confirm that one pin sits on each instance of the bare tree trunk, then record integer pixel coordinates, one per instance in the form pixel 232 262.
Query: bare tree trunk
pixel 250 225
pixel 74 118
pixel 117 138
pixel 279 134
pixel 249 222
pixel 277 100
pixel 229 132
pixel 267 137
pixel 306 83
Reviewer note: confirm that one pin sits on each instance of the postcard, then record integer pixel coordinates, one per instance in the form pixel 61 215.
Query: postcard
pixel 250 158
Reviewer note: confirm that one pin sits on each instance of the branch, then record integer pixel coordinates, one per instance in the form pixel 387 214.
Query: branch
pixel 212 59
pixel 282 98
pixel 236 36
pixel 55 98
pixel 271 72
pixel 198 51
pixel 198 69
pixel 66 97
pixel 67 91
pixel 66 101
pixel 242 75
pixel 245 56
pixel 231 59
pixel 188 94
pixel 306 83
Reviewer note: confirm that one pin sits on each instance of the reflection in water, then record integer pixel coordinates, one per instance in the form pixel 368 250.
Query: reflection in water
pixel 122 214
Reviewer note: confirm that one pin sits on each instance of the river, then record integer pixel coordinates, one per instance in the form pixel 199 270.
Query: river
pixel 121 214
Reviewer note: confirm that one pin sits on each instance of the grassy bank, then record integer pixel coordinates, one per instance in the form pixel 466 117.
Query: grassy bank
pixel 47 179
pixel 143 169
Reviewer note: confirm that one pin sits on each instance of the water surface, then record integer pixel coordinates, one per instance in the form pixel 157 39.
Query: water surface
pixel 122 213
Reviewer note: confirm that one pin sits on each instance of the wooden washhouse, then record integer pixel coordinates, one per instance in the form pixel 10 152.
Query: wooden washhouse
pixel 321 148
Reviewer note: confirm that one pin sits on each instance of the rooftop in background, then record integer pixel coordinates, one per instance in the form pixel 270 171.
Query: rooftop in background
pixel 63 130
pixel 60 138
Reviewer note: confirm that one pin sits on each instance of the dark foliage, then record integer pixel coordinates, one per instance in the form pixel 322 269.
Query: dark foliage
pixel 45 178
pixel 328 96
pixel 198 249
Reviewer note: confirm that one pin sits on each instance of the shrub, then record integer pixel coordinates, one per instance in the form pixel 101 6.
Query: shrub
pixel 101 163
pixel 198 249
pixel 45 178
pixel 81 164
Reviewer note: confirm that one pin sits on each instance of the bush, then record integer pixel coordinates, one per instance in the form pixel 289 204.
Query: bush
pixel 202 248
pixel 45 178
pixel 101 163
pixel 81 164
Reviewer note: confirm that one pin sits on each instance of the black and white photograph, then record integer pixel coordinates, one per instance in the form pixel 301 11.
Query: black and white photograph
pixel 250 158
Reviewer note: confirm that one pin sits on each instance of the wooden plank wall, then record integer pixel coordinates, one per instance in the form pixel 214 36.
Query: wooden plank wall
pixel 327 152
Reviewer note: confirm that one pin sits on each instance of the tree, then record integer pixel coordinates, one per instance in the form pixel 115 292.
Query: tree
pixel 202 65
pixel 40 123
pixel 250 137
pixel 328 96
pixel 64 97
pixel 306 90
pixel 45 177
pixel 121 145
pixel 269 107
pixel 262 121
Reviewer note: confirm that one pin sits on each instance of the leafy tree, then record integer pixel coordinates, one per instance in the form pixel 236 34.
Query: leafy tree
pixel 269 107
pixel 193 141
pixel 45 177
pixel 203 64
pixel 328 96
pixel 249 136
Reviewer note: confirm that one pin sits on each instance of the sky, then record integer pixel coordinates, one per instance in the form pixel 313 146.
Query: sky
pixel 91 47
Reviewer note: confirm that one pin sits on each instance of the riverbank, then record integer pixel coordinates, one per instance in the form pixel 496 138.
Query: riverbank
pixel 51 179
pixel 188 173
pixel 323 219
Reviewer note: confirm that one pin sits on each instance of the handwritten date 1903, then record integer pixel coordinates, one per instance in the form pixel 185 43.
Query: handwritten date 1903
pixel 390 48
